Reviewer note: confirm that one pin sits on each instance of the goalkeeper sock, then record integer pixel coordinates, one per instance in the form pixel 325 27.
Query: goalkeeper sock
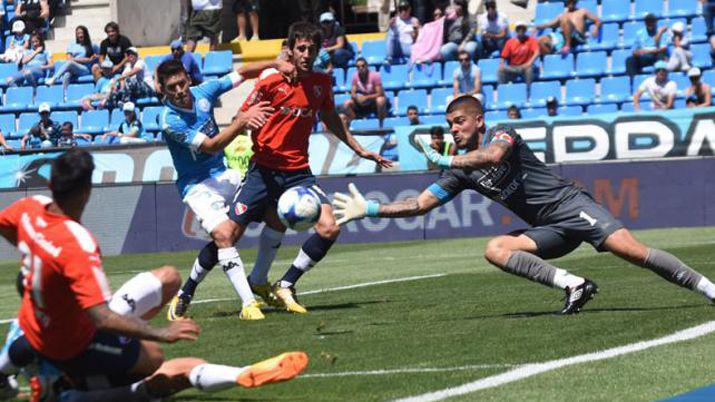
pixel 233 268
pixel 672 269
pixel 312 251
pixel 137 296
pixel 214 377
pixel 268 245
pixel 204 263
pixel 532 267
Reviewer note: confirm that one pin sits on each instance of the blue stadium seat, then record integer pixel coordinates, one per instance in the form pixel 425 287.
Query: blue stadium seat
pixel 699 30
pixel 448 72
pixel 374 51
pixel 150 118
pixel 62 117
pixel 116 118
pixel 395 77
pixel 15 144
pixel 7 124
pixel 340 98
pixel 153 61
pixel 629 32
pixel 94 122
pixel 488 91
pixel 440 99
pixel 490 68
pixel 701 55
pixel 615 10
pixel 416 97
pixel 545 12
pixel 356 50
pixel 618 61
pixel 25 123
pixel 392 122
pixel 615 89
pixel 75 93
pixel 682 80
pixel 426 75
pixel 511 94
pixel 602 108
pixel 591 64
pixel 580 92
pixel 609 38
pixel 365 124
pixel 556 67
pixel 542 90
pixel 218 62
pixel 434 119
pixel 628 106
pixel 643 7
pixel 570 111
pixel 349 79
pixel 709 78
pixel 590 5
pixel 53 95
pixel 638 80
pixel 82 142
pixel 682 8
pixel 338 79
pixel 533 113
pixel 18 99
pixel 495 115
pixel 158 137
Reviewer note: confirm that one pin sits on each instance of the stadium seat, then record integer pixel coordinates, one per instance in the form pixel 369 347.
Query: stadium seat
pixel 557 67
pixel 339 99
pixel 542 90
pixel 615 10
pixel 570 111
pixel 82 142
pixel 395 77
pixel 488 91
pixel 62 117
pixel 365 124
pixel 14 143
pixel 150 118
pixel 629 33
pixel 618 61
pixel 25 122
pixel 392 122
pixel 7 124
pixel 218 62
pixel 533 113
pixel 356 49
pixel 709 78
pixel 94 122
pixel 602 108
pixel 53 95
pixel 590 5
pixel 628 106
pixel 615 89
pixel 591 64
pixel 349 79
pixel 115 119
pixel 153 61
pixel 580 92
pixel 448 71
pixel 609 38
pixel 374 51
pixel 338 79
pixel 416 97
pixel 638 80
pixel 682 80
pixel 682 8
pixel 701 55
pixel 18 99
pixel 698 30
pixel 440 98
pixel 643 7
pixel 489 68
pixel 545 12
pixel 434 119
pixel 75 93
pixel 511 94
pixel 495 115
pixel 426 75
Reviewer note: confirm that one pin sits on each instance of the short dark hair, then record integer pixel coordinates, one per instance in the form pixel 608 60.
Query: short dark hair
pixel 465 101
pixel 304 30
pixel 68 124
pixel 462 53
pixel 71 173
pixel 515 109
pixel 413 107
pixel 436 130
pixel 113 25
pixel 169 68
pixel 362 59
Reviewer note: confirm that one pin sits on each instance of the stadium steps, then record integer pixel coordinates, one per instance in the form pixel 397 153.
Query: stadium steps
pixel 93 14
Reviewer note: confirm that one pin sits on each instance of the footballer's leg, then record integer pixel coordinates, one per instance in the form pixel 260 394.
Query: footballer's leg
pixel 203 264
pixel 268 244
pixel 145 294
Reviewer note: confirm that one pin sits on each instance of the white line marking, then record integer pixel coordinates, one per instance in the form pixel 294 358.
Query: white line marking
pixel 325 290
pixel 6 321
pixel 529 370
pixel 407 370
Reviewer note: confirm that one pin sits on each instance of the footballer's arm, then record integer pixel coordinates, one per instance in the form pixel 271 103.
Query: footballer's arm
pixel 355 206
pixel 253 70
pixel 253 118
pixel 107 320
pixel 491 155
pixel 335 125
pixel 414 206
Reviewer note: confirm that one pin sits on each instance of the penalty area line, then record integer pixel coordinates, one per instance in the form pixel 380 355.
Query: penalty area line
pixel 530 370
pixel 415 370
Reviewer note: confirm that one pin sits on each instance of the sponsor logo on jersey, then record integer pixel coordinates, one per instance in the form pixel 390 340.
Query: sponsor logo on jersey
pixel 204 105
pixel 494 176
pixel 240 208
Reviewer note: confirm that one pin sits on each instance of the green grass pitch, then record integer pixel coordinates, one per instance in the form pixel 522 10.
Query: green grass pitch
pixel 466 320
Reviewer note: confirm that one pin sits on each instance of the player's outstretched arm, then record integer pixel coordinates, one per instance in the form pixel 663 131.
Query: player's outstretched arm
pixel 253 70
pixel 490 155
pixel 355 206
pixel 335 125
pixel 107 320
pixel 254 117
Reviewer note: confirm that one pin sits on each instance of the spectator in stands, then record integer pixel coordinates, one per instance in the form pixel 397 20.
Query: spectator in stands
pixel 552 106
pixel 572 23
pixel 518 56
pixel 402 33
pixel 35 13
pixel 661 90
pixel 493 30
pixel 648 48
pixel 114 47
pixel 106 88
pixel 33 63
pixel 136 81
pixel 708 13
pixel 68 138
pixel 680 55
pixel 551 43
pixel 698 93
pixel 45 133
pixel 205 21
pixel 366 93
pixel 467 79
pixel 439 144
pixel 19 41
pixel 187 59
pixel 413 115
pixel 459 33
pixel 131 130
pixel 513 113
pixel 335 43
pixel 428 44
pixel 4 146
pixel 241 8
pixel 81 57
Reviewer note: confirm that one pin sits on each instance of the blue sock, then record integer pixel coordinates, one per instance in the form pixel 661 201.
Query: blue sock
pixel 314 249
pixel 207 258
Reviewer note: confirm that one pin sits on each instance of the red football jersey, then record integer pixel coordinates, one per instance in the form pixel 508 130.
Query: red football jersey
pixel 63 277
pixel 282 143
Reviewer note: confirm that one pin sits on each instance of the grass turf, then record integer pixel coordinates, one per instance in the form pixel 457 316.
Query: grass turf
pixel 474 321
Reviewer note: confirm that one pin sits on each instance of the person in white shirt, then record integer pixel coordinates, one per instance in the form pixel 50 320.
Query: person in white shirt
pixel 493 30
pixel 680 55
pixel 402 33
pixel 467 79
pixel 660 89
pixel 136 80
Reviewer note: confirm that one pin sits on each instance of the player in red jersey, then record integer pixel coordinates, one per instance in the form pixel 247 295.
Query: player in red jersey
pixel 70 318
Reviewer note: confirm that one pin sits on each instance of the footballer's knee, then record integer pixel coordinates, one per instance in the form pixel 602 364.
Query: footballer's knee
pixel 327 229
pixel 225 234
pixel 173 376
pixel 623 244
pixel 496 251
pixel 170 279
pixel 151 357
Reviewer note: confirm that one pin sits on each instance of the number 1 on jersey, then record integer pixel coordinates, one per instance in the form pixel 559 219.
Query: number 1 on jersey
pixel 591 220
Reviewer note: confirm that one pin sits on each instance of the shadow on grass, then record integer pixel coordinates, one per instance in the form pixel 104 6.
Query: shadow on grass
pixel 531 314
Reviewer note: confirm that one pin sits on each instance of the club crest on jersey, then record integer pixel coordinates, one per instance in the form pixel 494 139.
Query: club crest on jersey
pixel 204 105
pixel 240 208
pixel 317 90
pixel 503 136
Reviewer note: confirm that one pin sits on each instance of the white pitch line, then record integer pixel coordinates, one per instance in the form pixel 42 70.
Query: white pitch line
pixel 325 290
pixel 406 371
pixel 529 370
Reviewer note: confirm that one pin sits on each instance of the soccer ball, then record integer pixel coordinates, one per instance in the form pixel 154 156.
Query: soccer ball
pixel 299 208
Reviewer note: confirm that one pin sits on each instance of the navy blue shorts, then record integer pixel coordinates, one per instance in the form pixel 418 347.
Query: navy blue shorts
pixel 261 189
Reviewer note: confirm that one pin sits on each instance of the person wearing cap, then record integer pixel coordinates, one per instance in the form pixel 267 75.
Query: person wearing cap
pixel 518 56
pixel 114 47
pixel 402 33
pixel 335 43
pixel 106 88
pixel 552 106
pixel 241 8
pixel 33 64
pixel 648 47
pixel 34 13
pixel 698 93
pixel 131 130
pixel 187 59
pixel 659 88
pixel 45 133
pixel 136 81
pixel 81 55
pixel 17 43
pixel 459 33
pixel 572 23
pixel 680 55
pixel 204 21
pixel 493 30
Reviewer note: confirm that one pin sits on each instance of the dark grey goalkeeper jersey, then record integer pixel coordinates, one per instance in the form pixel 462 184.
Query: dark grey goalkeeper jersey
pixel 521 183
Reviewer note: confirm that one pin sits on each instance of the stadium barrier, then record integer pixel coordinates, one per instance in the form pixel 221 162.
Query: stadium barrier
pixel 142 218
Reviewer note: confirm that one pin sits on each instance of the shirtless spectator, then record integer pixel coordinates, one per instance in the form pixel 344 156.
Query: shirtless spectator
pixel 698 93
pixel 573 25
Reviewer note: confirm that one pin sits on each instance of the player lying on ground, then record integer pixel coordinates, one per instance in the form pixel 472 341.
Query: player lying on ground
pixel 500 166
pixel 70 319
pixel 280 161
pixel 205 184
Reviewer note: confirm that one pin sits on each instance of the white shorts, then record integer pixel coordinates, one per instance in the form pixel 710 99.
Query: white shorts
pixel 209 199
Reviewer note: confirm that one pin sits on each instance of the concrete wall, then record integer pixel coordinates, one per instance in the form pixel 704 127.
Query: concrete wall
pixel 149 22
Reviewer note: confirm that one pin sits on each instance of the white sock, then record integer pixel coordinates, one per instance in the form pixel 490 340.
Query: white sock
pixel 706 288
pixel 137 296
pixel 214 377
pixel 303 262
pixel 198 273
pixel 563 279
pixel 268 245
pixel 233 268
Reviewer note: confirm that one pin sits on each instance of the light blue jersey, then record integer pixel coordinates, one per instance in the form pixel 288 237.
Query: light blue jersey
pixel 185 130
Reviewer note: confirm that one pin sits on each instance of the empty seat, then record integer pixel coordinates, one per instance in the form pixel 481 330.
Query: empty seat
pixel 365 124
pixel 510 94
pixel 495 115
pixel 416 97
pixel 426 75
pixel 218 62
pixel 615 10
pixel 18 99
pixel 94 122
pixel 615 89
pixel 701 55
pixel 609 38
pixel 374 51
pixel 681 80
pixel 698 30
pixel 448 72
pixel 570 111
pixel 580 92
pixel 440 99
pixel 591 64
pixel 349 79
pixel 434 119
pixel 533 113
pixel 602 108
pixel 75 93
pixel 150 118
pixel 489 68
pixel 62 117
pixel 153 61
pixel 618 61
pixel 488 91
pixel 682 8
pixel 630 29
pixel 7 124
pixel 338 79
pixel 395 77
pixel 25 122
pixel 540 91
pixel 6 70
pixel 392 122
pixel 545 12
pixel 643 7
pixel 53 95
pixel 557 66
pixel 115 119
